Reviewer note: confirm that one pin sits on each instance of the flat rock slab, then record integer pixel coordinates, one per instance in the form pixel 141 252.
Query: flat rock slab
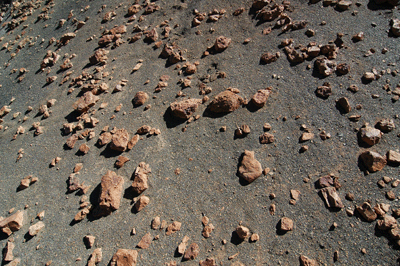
pixel 111 192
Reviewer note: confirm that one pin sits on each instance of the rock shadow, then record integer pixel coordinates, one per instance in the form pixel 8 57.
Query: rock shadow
pixel 171 120
pixel 278 229
pixel 235 239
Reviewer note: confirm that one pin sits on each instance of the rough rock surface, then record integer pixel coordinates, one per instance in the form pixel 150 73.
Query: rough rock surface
pixel 367 212
pixel 260 98
pixel 221 43
pixel 242 232
pixel 141 203
pixel 191 252
pixel 370 135
pixel 84 103
pixel 373 161
pixel 111 192
pixel 95 257
pixel 225 102
pixel 124 257
pixel 140 178
pixel 13 222
pixel 184 109
pixel 120 140
pixel 140 98
pixel 36 228
pixel 286 224
pixel 249 168
pixel 145 242
pixel 332 199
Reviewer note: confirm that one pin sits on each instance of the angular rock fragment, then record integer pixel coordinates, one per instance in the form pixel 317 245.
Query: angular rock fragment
pixel 268 57
pixel 173 227
pixel 133 142
pixel 260 98
pixel 64 40
pixel 8 251
pixel 140 98
pixel 225 102
pixel 12 223
pixel 367 212
pixel 73 183
pixel 95 257
pixel 120 140
pixel 332 199
pixel 208 262
pixel 182 246
pixel 395 26
pixel 142 202
pixel 84 148
pixel 344 104
pixel 184 109
pixel 286 224
pixel 89 240
pixel 306 136
pixel 387 222
pixel 140 179
pixel 124 257
pixel 324 91
pixel 373 161
pixel 191 252
pixel 305 261
pixel 36 228
pixel 82 214
pixel 111 192
pixel 325 67
pixel 155 223
pixel 145 242
pixel 221 43
pixel 242 232
pixel 84 103
pixel 266 138
pixel 249 168
pixel 343 69
pixel 385 125
pixel 393 157
pixel 121 161
pixel 370 135
pixel 104 138
pixel 207 230
pixel 343 5
pixel 4 110
pixel 99 57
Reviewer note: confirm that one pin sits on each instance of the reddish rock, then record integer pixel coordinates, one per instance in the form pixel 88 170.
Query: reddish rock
pixel 208 262
pixel 385 125
pixel 140 179
pixel 173 227
pixel 121 29
pixel 324 91
pixel 343 68
pixel 85 102
pixel 268 57
pixel 124 257
pixel 95 257
pixel 225 102
pixel 140 98
pixel 4 110
pixel 191 252
pixel 36 228
pixel 260 98
pixel 132 10
pixel 325 67
pixel 8 251
pixel 182 246
pixel 393 157
pixel 221 43
pixel 13 222
pixel 105 138
pixel 67 37
pixel 370 135
pixel 184 109
pixel 344 104
pixel 306 136
pixel 286 224
pixel 82 214
pixel 120 140
pixel 89 240
pixel 73 183
pixel 145 241
pixel 387 222
pixel 155 223
pixel 111 192
pixel 142 202
pixel 84 148
pixel 107 39
pixel 190 69
pixel 134 140
pixel 207 230
pixel 373 161
pixel 305 261
pixel 367 212
pixel 249 168
pixel 266 138
pixel 121 161
pixel 151 35
pixel 331 198
pixel 99 57
pixel 242 232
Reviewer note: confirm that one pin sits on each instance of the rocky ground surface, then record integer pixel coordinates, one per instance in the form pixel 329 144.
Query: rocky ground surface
pixel 199 132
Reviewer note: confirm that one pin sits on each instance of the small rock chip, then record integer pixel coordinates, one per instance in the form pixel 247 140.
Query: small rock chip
pixel 373 161
pixel 121 161
pixel 140 179
pixel 294 194
pixel 225 102
pixel 306 136
pixel 395 26
pixel 140 98
pixel 305 261
pixel 254 237
pixel 184 109
pixel 145 242
pixel 286 224
pixel 266 138
pixel 242 232
pixel 78 167
pixel 89 240
pixel 124 257
pixel 134 140
pixel 367 212
pixel 104 138
pixel 13 222
pixel 36 228
pixel 173 227
pixel 249 168
pixel 332 199
pixel 325 67
pixel 141 203
pixel 8 251
pixel 324 91
pixel 95 257
pixel 260 98
pixel 191 252
pixel 155 223
pixel 207 230
pixel 84 148
pixel 393 157
pixel 111 192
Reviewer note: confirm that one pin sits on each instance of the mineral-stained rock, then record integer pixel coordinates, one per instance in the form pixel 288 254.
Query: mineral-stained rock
pixel 184 109
pixel 331 198
pixel 111 192
pixel 370 135
pixel 286 224
pixel 387 222
pixel 99 57
pixel 182 246
pixel 8 251
pixel 221 43
pixel 393 157
pixel 141 203
pixel 305 261
pixel 13 222
pixel 120 140
pixel 208 262
pixel 85 102
pixel 191 252
pixel 325 67
pixel 367 212
pixel 266 138
pixel 121 161
pixel 373 161
pixel 145 242
pixel 95 257
pixel 36 228
pixel 105 138
pixel 242 232
pixel 140 98
pixel 139 183
pixel 385 125
pixel 133 142
pixel 249 169
pixel 260 98
pixel 225 102
pixel 173 227
pixel 124 257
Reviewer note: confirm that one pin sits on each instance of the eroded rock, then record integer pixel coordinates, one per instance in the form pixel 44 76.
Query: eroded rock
pixel 367 212
pixel 140 179
pixel 286 224
pixel 84 103
pixel 140 98
pixel 145 242
pixel 184 109
pixel 260 98
pixel 95 257
pixel 242 232
pixel 124 257
pixel 120 140
pixel 221 43
pixel 332 199
pixel 173 227
pixel 142 202
pixel 373 161
pixel 111 192
pixel 249 169
pixel 191 252
pixel 225 102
